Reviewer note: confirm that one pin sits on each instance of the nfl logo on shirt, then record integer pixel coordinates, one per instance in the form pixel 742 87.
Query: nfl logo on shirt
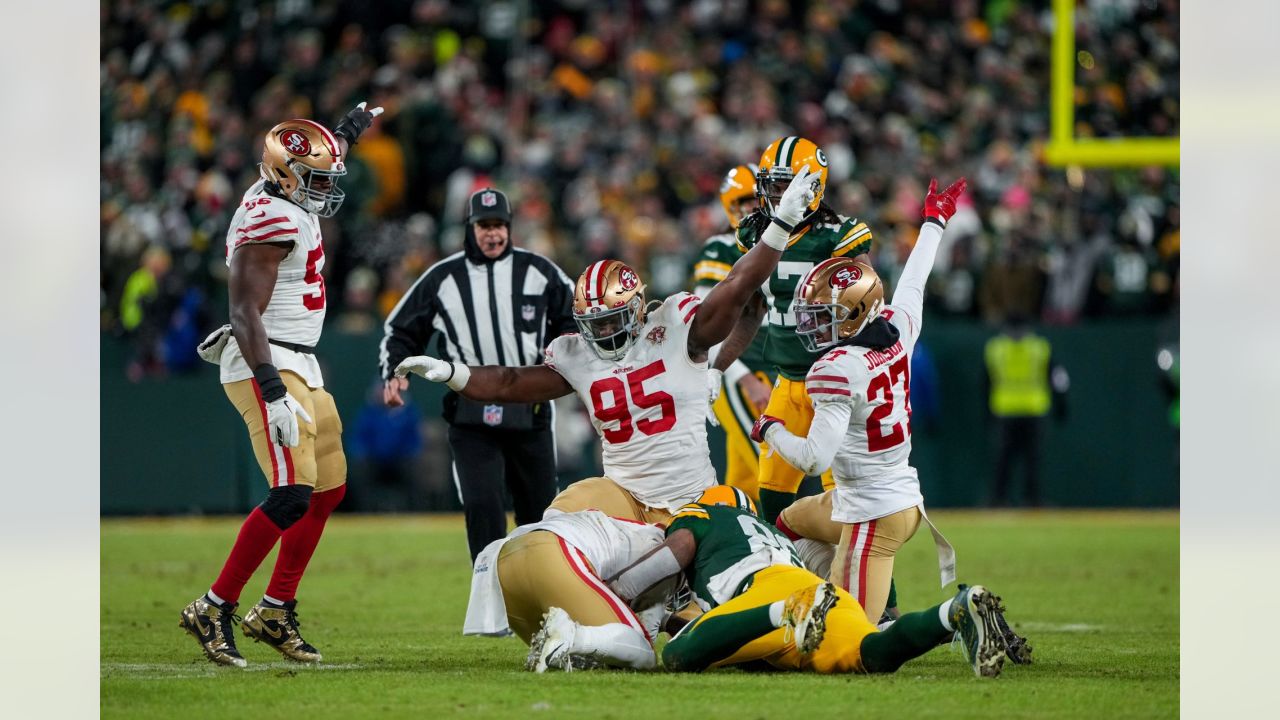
pixel 493 415
pixel 488 199
pixel 527 312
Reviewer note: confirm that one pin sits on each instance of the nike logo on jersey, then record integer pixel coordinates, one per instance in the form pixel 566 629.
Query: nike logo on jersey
pixel 260 214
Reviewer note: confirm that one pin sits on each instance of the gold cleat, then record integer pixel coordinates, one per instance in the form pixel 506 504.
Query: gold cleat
pixel 805 615
pixel 278 627
pixel 213 627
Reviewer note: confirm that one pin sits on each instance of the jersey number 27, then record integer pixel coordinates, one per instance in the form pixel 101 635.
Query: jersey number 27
pixel 881 388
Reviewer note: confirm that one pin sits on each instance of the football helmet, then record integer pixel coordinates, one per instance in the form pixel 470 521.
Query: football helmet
pixel 609 307
pixel 738 187
pixel 303 159
pixel 781 161
pixel 835 301
pixel 726 495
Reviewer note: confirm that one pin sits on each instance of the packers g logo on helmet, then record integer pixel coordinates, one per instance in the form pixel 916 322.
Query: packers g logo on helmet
pixel 726 495
pixel 739 185
pixel 781 161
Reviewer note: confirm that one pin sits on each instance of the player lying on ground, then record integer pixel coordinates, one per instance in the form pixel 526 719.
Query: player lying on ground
pixel 762 605
pixel 270 374
pixel 861 429
pixel 549 574
pixel 643 375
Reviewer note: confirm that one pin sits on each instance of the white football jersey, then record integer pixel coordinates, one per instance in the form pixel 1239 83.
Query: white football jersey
pixel 649 407
pixel 295 313
pixel 872 467
pixel 610 544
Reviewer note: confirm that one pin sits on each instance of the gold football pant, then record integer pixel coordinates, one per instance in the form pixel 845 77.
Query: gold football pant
pixel 318 460
pixel 790 404
pixel 610 498
pixel 539 571
pixel 840 651
pixel 737 414
pixel 863 562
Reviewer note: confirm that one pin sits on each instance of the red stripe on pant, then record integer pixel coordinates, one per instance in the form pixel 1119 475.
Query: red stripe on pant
pixel 579 564
pixel 862 564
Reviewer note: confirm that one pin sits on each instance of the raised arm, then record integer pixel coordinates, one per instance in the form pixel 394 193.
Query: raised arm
pixel 719 312
pixel 490 383
pixel 744 331
pixel 938 208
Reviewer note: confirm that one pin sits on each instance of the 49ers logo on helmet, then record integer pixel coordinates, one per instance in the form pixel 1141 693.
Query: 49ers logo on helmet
pixel 845 276
pixel 295 142
pixel 627 278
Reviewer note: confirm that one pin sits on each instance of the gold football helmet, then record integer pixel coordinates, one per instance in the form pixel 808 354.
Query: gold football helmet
pixel 835 301
pixel 726 495
pixel 303 158
pixel 781 161
pixel 609 307
pixel 738 193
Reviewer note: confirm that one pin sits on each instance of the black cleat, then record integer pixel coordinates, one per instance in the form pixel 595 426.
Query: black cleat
pixel 278 627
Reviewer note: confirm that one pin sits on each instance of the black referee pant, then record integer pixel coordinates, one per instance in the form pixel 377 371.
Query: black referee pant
pixel 485 459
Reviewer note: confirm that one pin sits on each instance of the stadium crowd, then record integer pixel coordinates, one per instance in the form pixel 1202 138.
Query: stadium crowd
pixel 611 126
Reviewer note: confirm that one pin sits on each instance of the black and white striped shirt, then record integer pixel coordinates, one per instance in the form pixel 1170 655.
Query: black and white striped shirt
pixel 499 313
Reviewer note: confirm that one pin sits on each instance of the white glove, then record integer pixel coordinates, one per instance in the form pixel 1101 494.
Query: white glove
pixel 714 380
pixel 435 370
pixel 210 350
pixel 282 420
pixel 795 200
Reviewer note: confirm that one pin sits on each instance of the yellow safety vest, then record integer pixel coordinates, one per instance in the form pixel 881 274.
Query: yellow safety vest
pixel 1019 372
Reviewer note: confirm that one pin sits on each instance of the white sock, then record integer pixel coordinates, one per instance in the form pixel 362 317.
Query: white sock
pixel 816 555
pixel 213 598
pixel 943 611
pixel 272 601
pixel 616 644
pixel 775 612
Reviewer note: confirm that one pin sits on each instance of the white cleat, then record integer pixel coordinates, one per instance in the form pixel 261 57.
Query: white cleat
pixel 549 647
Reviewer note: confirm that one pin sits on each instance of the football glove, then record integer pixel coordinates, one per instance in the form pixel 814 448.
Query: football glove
pixel 282 420
pixel 435 370
pixel 795 199
pixel 714 378
pixel 940 206
pixel 762 426
pixel 210 350
pixel 355 123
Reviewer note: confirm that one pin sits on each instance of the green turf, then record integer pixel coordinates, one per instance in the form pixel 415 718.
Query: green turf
pixel 1096 593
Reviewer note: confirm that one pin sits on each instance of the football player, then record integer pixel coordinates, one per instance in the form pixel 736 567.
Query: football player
pixel 860 390
pixel 549 574
pixel 269 371
pixel 641 373
pixel 763 605
pixel 744 388
pixel 820 234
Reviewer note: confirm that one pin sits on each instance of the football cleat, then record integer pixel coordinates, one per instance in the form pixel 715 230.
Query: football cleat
pixel 1016 647
pixel 975 615
pixel 805 615
pixel 278 627
pixel 213 626
pixel 549 647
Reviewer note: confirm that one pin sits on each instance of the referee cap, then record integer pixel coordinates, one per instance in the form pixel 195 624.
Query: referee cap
pixel 488 203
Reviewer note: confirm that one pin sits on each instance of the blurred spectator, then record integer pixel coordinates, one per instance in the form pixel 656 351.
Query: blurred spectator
pixel 1022 381
pixel 384 446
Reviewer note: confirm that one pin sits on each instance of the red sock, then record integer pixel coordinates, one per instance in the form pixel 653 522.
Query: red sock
pixel 257 536
pixel 299 542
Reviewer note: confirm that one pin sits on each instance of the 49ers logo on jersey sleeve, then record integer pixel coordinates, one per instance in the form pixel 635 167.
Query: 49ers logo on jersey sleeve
pixel 846 276
pixel 295 142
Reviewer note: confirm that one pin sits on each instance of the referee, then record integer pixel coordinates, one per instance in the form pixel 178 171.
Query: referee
pixel 491 304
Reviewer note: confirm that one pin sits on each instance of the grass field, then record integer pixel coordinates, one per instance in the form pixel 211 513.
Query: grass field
pixel 1096 593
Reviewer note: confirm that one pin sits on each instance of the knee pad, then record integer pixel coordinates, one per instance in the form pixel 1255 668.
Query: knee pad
pixel 286 505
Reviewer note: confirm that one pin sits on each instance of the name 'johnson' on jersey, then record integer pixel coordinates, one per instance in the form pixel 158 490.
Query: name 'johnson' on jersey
pixel 295 313
pixel 649 406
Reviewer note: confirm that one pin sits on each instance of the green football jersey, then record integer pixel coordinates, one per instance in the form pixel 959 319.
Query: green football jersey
pixel 711 266
pixel 812 242
pixel 732 546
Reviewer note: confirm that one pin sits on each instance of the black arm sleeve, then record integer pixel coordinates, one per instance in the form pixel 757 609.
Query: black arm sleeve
pixel 559 305
pixel 408 328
